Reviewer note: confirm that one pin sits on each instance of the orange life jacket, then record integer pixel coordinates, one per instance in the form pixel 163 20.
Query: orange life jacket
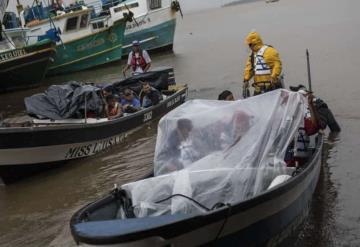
pixel 138 61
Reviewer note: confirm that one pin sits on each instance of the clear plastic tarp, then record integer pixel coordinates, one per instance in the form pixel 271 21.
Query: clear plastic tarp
pixel 218 152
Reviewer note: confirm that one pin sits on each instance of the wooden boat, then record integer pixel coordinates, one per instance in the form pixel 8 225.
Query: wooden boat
pixel 25 66
pixel 262 220
pixel 22 65
pixel 153 26
pixel 82 42
pixel 32 145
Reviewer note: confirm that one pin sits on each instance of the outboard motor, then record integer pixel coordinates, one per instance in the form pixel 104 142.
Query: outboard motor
pixel 52 34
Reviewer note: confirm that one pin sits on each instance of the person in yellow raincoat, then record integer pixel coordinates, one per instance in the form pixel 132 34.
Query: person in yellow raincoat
pixel 263 64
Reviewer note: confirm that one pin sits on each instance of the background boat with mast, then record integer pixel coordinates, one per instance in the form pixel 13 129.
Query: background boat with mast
pixel 83 40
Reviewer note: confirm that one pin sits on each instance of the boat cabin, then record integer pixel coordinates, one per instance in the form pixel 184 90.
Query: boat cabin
pixel 12 35
pixel 70 25
pixel 138 7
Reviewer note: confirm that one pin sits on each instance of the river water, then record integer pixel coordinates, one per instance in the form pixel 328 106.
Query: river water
pixel 209 56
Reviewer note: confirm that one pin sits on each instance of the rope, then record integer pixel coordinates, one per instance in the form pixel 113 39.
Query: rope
pixel 189 198
pixel 224 222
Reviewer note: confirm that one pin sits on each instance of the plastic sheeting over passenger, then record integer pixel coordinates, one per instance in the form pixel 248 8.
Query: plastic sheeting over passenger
pixel 218 152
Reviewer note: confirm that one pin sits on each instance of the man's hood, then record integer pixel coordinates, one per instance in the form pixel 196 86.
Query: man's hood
pixel 255 39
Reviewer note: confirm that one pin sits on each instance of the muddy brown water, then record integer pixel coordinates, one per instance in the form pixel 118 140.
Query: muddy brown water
pixel 209 56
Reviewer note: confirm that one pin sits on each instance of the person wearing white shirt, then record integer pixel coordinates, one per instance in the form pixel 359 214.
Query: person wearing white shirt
pixel 139 60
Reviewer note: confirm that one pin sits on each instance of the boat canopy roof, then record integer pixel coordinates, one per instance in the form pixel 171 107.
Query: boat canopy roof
pixel 218 152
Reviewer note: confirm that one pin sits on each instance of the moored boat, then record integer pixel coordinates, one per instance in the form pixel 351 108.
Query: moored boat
pixel 29 143
pixel 154 22
pixel 243 195
pixel 82 42
pixel 22 65
pixel 25 66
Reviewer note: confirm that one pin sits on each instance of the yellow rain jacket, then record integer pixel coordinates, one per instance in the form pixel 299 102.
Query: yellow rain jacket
pixel 271 59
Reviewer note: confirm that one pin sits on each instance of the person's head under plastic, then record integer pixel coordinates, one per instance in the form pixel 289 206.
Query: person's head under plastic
pixel 226 95
pixel 184 127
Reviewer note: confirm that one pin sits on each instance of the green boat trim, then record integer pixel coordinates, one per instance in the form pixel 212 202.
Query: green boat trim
pixel 89 51
pixel 89 56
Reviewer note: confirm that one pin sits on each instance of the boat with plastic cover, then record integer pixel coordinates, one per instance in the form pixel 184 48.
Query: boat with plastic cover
pixel 219 178
pixel 29 143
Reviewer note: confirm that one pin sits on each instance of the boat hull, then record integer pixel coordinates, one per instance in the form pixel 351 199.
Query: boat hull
pixel 263 220
pixel 34 147
pixel 27 67
pixel 89 51
pixel 156 31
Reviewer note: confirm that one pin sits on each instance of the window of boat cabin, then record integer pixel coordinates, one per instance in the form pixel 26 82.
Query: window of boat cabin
pixel 155 4
pixel 84 20
pixel 97 25
pixel 128 6
pixel 71 23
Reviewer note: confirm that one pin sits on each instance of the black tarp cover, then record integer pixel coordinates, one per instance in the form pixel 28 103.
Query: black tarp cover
pixel 65 101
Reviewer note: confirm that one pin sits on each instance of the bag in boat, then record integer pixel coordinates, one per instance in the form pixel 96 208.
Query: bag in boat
pixel 218 152
pixel 65 101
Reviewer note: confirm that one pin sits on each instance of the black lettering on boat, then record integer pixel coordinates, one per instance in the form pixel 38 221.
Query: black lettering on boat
pixel 12 54
pixel 93 148
pixel 71 153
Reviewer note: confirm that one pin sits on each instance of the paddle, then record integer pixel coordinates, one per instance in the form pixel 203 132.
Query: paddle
pixel 308 69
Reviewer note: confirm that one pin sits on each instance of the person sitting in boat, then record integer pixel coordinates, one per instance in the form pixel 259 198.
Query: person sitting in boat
pixel 226 95
pixel 130 102
pixel 149 96
pixel 300 149
pixel 139 60
pixel 263 64
pixel 179 150
pixel 114 109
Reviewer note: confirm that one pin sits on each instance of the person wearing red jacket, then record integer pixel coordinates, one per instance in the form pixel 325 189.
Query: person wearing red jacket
pixel 139 60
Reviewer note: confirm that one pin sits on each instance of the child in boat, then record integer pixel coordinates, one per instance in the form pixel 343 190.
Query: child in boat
pixel 114 109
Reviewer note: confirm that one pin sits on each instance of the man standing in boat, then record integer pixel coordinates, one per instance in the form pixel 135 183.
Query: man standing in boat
pixel 263 64
pixel 139 60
